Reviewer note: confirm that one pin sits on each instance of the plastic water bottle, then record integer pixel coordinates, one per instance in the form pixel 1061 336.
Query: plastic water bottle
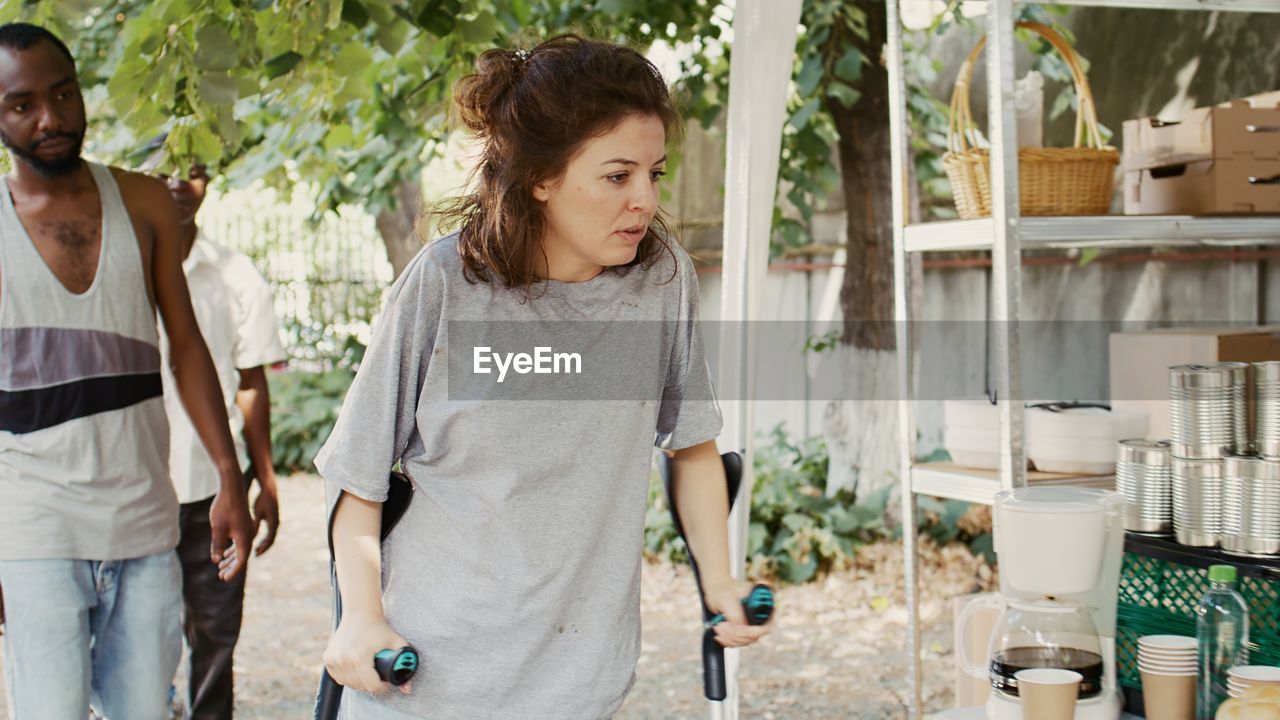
pixel 1222 633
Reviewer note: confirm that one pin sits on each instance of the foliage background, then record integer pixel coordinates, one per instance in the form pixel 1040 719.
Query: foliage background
pixel 798 532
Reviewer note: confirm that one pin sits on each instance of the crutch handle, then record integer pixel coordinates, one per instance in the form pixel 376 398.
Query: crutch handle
pixel 396 666
pixel 399 495
pixel 713 681
pixel 758 607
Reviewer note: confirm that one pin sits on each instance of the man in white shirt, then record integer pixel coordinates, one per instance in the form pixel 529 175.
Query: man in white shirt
pixel 234 309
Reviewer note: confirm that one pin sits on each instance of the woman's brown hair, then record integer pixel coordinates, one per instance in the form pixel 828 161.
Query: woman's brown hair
pixel 531 111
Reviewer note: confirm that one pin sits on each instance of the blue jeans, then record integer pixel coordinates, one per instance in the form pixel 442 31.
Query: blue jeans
pixel 86 631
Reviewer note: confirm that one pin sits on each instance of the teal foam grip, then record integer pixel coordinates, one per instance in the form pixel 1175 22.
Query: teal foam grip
pixel 757 606
pixel 396 666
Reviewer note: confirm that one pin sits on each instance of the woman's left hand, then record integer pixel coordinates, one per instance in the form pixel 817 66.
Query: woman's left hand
pixel 725 597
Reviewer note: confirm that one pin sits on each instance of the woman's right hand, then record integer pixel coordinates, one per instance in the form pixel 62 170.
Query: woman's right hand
pixel 349 655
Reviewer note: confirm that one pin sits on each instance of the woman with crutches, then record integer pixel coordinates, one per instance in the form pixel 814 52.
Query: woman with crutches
pixel 514 572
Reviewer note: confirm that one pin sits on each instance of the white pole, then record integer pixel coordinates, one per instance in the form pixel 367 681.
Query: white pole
pixel 764 41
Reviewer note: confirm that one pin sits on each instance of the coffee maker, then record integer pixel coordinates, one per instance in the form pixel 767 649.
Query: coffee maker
pixel 1059 550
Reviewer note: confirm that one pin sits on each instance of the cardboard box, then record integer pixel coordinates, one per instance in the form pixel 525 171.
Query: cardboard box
pixel 1223 159
pixel 1140 361
pixel 1205 187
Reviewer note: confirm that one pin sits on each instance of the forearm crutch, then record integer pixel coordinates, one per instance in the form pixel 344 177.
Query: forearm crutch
pixel 758 606
pixel 395 666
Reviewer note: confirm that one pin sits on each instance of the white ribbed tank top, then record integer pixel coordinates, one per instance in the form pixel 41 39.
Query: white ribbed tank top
pixel 83 434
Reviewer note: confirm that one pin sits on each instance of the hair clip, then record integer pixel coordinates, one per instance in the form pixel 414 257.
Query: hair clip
pixel 522 56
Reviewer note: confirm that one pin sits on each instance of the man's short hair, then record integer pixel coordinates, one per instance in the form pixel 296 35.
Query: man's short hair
pixel 21 36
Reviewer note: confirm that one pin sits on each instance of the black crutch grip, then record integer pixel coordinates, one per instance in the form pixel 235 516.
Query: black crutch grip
pixel 328 698
pixel 396 666
pixel 713 682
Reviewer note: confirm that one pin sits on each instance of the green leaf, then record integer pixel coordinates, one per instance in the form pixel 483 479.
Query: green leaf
pixel 780 539
pixel 205 145
pixel 809 76
pixel 845 94
pixel 849 68
pixel 1061 104
pixel 247 86
pixel 218 88
pixel 938 455
pixel 354 87
pixel 354 13
pixel 955 509
pixel 928 503
pixel 439 17
pixel 984 545
pixel 353 58
pixel 257 164
pixel 868 518
pixel 1088 255
pixel 806 111
pixel 842 521
pixel 621 7
pixel 795 572
pixel 340 137
pixel 481 29
pixel 796 521
pixel 149 43
pixel 281 64
pixel 391 36
pixel 757 535
pixel 336 10
pixel 125 84
pixel 215 50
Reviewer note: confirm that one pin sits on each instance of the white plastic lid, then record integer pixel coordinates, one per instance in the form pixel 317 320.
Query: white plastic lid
pixel 1058 500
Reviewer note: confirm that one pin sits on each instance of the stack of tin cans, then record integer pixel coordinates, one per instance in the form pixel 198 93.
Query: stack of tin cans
pixel 1204 484
pixel 1207 421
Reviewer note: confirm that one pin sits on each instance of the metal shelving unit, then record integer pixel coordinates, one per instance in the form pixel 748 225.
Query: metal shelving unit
pixel 1006 235
pixel 1108 231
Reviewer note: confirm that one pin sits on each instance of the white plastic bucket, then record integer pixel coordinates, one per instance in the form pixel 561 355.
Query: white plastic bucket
pixel 1051 541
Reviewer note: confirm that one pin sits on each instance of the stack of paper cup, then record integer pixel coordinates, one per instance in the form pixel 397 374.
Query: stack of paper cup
pixel 1168 667
pixel 1243 677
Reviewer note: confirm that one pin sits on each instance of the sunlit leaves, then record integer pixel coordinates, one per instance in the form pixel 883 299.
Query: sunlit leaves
pixel 215 50
pixel 281 64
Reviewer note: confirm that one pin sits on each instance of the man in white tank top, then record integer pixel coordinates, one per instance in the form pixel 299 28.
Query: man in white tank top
pixel 88 516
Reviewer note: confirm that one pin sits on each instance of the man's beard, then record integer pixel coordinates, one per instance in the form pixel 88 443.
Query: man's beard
pixel 68 163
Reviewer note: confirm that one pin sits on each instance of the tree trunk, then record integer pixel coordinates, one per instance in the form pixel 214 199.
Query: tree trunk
pixel 397 226
pixel 867 295
pixel 862 433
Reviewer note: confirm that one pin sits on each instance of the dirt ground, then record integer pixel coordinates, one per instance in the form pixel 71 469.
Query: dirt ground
pixel 837 650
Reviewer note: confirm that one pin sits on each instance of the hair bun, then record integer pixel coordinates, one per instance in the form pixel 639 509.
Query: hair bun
pixel 480 95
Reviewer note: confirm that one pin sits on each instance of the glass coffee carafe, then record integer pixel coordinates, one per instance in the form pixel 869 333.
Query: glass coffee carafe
pixel 1045 634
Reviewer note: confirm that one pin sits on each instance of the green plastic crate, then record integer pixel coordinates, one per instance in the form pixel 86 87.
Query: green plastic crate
pixel 1161 583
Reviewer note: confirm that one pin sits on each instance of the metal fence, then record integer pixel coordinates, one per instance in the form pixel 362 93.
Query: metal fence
pixel 329 277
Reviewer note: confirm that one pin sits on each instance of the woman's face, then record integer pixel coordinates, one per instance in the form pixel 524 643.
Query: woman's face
pixel 600 210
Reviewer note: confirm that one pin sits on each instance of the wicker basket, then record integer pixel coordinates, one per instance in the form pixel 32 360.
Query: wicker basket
pixel 1051 181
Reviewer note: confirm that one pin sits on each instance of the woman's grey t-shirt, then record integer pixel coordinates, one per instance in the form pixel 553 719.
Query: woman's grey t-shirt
pixel 516 569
